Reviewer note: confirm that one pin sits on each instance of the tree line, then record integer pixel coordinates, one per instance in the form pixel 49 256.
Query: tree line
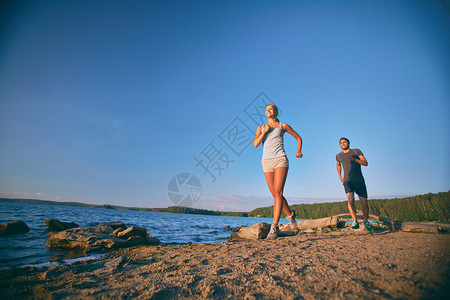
pixel 420 208
pixel 196 211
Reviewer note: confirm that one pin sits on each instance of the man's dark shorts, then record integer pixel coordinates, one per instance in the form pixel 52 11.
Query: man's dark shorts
pixel 357 187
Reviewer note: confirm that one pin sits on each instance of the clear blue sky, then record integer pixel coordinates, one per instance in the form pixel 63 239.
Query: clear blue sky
pixel 106 101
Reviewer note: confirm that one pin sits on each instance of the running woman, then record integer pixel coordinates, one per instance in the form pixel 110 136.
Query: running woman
pixel 275 164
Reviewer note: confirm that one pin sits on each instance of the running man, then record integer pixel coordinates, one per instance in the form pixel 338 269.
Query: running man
pixel 352 160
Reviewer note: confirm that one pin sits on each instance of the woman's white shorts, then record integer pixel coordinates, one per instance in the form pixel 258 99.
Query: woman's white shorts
pixel 269 165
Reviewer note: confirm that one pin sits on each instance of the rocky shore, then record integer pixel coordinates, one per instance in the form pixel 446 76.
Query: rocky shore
pixel 338 264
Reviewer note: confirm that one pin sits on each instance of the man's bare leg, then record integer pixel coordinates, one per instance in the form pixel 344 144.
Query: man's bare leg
pixel 352 206
pixel 365 208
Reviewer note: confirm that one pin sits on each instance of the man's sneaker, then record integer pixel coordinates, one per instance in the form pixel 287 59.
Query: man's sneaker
pixel 292 221
pixel 273 233
pixel 368 226
pixel 355 225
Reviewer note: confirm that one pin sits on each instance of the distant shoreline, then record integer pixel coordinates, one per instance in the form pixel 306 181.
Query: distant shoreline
pixel 431 207
pixel 170 209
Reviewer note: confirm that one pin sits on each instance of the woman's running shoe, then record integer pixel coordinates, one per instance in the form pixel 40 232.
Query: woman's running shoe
pixel 273 233
pixel 292 221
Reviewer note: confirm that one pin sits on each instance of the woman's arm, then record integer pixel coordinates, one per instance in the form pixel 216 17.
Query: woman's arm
pixel 292 132
pixel 260 135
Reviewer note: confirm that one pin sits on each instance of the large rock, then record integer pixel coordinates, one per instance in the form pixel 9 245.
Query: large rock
pixel 96 237
pixel 55 225
pixel 13 227
pixel 254 232
pixel 318 223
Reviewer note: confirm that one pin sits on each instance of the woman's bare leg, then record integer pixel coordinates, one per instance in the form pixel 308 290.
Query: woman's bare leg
pixel 275 181
pixel 286 208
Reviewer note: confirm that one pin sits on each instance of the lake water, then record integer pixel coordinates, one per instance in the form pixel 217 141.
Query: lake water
pixel 29 248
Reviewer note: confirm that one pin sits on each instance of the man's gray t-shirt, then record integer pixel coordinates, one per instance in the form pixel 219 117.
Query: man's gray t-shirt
pixel 352 170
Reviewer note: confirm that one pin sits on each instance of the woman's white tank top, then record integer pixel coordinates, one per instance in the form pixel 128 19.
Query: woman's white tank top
pixel 273 143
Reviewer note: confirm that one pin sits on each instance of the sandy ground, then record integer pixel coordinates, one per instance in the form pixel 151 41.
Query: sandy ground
pixel 339 264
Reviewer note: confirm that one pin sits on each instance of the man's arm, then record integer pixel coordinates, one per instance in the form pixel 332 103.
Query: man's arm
pixel 361 160
pixel 339 170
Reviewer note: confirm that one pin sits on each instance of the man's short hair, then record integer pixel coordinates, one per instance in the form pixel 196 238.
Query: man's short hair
pixel 343 138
